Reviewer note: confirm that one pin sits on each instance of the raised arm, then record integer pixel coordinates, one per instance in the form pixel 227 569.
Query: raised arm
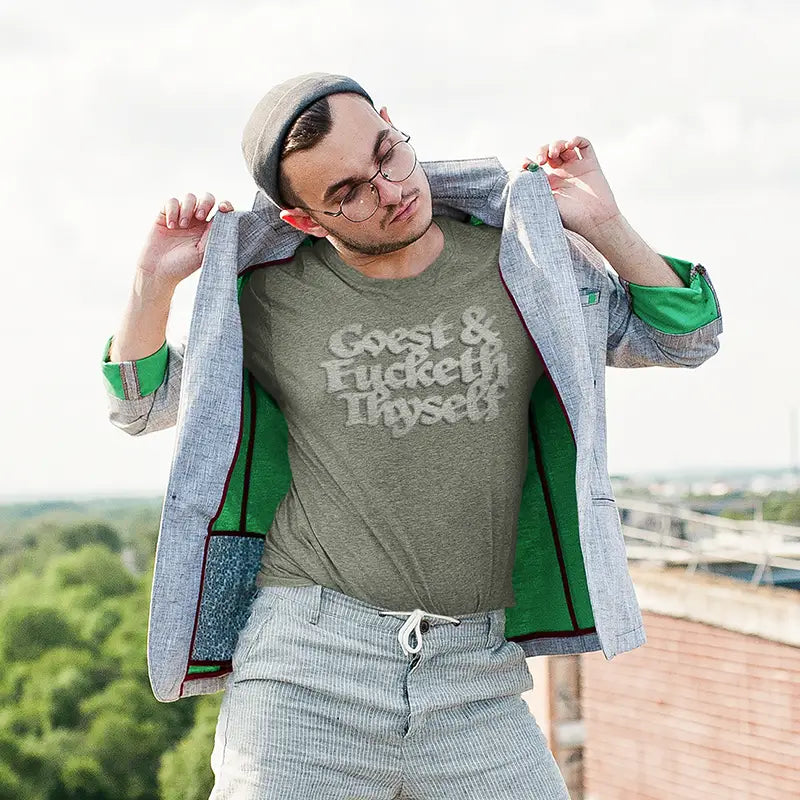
pixel 141 370
pixel 142 394
pixel 664 326
pixel 663 311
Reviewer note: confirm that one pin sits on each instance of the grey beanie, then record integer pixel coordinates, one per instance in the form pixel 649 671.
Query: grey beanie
pixel 271 119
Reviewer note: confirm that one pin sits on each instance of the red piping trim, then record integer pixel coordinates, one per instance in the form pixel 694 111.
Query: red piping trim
pixel 539 465
pixel 249 461
pixel 544 364
pixel 199 675
pixel 209 532
pixel 553 526
pixel 553 634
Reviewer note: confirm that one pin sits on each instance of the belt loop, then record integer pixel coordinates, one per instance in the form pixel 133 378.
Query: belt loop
pixel 316 604
pixel 496 627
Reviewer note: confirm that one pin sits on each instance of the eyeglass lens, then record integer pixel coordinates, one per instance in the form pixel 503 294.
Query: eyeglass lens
pixel 362 200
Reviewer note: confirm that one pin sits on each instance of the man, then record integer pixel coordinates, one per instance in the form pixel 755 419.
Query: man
pixel 405 374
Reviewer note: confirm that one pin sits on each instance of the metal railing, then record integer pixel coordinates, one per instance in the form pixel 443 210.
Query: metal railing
pixel 671 533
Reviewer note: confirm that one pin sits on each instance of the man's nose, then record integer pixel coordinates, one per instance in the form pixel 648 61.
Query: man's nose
pixel 389 192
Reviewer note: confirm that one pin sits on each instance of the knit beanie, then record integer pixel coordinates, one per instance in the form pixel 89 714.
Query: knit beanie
pixel 275 113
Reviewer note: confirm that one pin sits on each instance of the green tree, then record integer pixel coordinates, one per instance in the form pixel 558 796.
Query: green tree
pixel 185 772
pixel 93 568
pixel 76 536
pixel 27 632
pixel 78 719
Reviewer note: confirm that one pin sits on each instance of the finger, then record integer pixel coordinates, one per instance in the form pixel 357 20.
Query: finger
pixel 225 206
pixel 204 205
pixel 554 152
pixel 583 146
pixel 541 156
pixel 569 154
pixel 169 213
pixel 187 209
pixel 530 162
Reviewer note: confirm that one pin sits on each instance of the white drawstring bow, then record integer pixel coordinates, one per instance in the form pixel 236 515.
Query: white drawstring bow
pixel 412 624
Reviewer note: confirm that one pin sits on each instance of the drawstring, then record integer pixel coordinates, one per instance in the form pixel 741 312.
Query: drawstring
pixel 412 624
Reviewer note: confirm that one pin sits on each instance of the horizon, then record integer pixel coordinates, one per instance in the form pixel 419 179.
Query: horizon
pixel 697 473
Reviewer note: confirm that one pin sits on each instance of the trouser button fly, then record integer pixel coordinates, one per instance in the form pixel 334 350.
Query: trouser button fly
pixel 424 625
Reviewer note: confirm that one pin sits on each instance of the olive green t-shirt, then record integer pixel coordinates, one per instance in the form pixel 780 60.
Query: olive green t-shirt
pixel 406 401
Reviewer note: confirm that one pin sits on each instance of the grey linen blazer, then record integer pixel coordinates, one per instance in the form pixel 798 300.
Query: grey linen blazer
pixel 545 268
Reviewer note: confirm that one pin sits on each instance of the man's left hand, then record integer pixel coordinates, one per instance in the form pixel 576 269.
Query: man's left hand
pixel 581 191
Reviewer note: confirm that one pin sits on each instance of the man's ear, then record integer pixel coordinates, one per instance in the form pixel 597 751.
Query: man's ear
pixel 385 116
pixel 300 220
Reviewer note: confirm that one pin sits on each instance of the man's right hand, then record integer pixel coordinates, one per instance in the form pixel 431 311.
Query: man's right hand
pixel 177 241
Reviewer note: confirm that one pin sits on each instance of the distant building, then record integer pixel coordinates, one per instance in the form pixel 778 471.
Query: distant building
pixel 708 709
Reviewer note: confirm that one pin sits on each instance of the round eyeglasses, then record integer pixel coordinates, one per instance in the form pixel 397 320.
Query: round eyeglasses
pixel 362 201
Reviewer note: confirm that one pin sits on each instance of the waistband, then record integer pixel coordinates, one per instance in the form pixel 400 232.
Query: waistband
pixel 483 628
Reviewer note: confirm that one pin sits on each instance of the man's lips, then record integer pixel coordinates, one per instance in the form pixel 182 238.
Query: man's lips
pixel 406 207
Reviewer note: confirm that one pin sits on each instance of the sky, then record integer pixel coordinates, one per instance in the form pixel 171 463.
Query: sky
pixel 109 109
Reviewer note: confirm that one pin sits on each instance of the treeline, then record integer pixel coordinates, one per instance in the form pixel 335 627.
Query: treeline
pixel 783 506
pixel 776 506
pixel 78 720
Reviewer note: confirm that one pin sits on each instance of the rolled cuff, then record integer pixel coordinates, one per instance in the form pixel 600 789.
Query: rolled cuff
pixel 130 380
pixel 676 309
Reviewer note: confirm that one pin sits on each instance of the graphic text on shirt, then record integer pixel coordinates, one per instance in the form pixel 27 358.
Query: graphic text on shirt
pixel 367 386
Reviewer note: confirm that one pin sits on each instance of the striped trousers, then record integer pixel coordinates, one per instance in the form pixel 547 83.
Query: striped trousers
pixel 329 698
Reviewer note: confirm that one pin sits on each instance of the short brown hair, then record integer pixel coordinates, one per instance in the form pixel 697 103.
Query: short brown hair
pixel 312 125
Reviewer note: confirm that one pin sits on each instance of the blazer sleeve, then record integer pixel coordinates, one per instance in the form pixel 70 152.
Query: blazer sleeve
pixel 666 326
pixel 142 394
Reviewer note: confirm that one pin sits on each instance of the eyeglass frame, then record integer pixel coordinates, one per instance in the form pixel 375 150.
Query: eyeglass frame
pixel 340 212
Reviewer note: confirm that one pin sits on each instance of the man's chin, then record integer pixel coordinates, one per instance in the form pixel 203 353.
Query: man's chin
pixel 421 224
pixel 411 236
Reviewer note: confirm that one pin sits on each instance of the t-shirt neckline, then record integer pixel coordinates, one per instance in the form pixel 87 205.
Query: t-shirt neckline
pixel 394 286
